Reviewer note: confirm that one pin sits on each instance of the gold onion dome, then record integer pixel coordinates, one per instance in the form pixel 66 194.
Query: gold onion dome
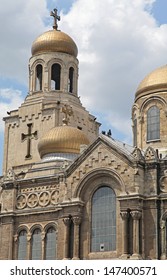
pixel 62 139
pixel 54 41
pixel 156 80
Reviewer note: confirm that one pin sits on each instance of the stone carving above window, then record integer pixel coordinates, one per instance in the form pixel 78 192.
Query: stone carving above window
pixel 150 154
pixel 163 183
pixel 40 198
pixel 21 201
pixel 137 154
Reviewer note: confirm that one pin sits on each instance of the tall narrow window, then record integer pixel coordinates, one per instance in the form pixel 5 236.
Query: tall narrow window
pixel 153 123
pixel 71 240
pixel 103 220
pixel 22 245
pixel 38 83
pixel 135 132
pixel 55 76
pixel 70 79
pixel 51 244
pixel 36 245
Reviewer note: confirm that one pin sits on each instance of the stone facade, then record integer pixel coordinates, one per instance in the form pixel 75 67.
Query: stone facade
pixel 39 197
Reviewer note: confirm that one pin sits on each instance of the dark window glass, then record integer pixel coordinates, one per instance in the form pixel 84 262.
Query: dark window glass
pixel 55 76
pixel 38 85
pixel 36 245
pixel 71 242
pixel 103 220
pixel 22 245
pixel 153 123
pixel 70 79
pixel 51 244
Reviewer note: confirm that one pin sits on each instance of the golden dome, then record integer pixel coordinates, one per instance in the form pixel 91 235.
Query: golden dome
pixel 62 139
pixel 54 41
pixel 156 80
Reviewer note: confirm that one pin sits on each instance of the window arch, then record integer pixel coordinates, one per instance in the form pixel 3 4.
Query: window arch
pixel 22 245
pixel 71 79
pixel 38 77
pixel 51 240
pixel 103 220
pixel 36 245
pixel 153 123
pixel 55 76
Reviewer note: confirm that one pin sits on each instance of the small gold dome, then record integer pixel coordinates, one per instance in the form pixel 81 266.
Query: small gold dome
pixel 62 139
pixel 156 80
pixel 54 41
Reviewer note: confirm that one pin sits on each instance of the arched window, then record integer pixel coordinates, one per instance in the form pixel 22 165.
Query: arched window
pixel 50 244
pixel 153 123
pixel 70 79
pixel 36 245
pixel 38 82
pixel 103 220
pixel 22 245
pixel 55 76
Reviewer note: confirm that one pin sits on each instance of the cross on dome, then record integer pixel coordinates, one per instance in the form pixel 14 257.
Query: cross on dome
pixel 56 18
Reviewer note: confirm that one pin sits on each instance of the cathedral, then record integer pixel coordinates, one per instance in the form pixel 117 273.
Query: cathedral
pixel 69 192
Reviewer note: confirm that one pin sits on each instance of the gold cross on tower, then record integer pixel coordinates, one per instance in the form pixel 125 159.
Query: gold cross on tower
pixel 56 18
pixel 29 136
pixel 67 110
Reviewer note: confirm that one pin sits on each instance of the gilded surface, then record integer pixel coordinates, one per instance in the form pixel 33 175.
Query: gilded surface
pixel 156 78
pixel 62 139
pixel 54 41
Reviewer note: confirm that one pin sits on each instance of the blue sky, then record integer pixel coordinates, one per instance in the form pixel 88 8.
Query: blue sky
pixel 127 39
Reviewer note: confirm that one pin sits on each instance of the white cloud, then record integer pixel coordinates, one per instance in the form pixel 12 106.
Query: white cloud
pixel 20 23
pixel 119 43
pixel 10 99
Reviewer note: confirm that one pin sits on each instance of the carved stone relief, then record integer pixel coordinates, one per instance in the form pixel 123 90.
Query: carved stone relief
pixel 163 182
pixel 37 197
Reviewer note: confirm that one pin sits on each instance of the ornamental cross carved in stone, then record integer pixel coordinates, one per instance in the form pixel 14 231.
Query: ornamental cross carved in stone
pixel 29 136
pixel 67 110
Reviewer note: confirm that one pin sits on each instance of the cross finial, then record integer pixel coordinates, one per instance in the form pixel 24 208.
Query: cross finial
pixel 56 18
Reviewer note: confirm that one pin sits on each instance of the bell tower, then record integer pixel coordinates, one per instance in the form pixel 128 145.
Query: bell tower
pixel 53 83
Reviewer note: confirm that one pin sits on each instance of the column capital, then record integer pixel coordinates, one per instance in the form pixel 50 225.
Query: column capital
pixel 76 220
pixel 162 224
pixel 29 237
pixel 136 215
pixel 67 221
pixel 15 237
pixel 124 215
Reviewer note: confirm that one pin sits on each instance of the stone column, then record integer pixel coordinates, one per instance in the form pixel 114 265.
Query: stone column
pixel 136 215
pixel 67 222
pixel 76 221
pixel 28 246
pixel 125 216
pixel 163 240
pixel 43 245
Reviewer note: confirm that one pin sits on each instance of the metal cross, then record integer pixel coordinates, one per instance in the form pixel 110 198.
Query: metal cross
pixel 56 18
pixel 29 136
